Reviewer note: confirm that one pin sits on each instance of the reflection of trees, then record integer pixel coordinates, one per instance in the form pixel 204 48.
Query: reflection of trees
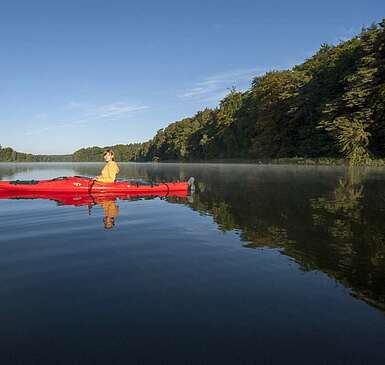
pixel 354 239
pixel 346 197
pixel 9 170
pixel 334 226
pixel 269 237
pixel 340 209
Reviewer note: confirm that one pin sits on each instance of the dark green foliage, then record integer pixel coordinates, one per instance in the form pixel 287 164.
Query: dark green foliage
pixel 332 105
pixel 9 155
pixel 130 152
pixel 350 117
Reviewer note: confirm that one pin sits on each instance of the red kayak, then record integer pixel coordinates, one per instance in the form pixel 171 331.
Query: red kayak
pixel 83 185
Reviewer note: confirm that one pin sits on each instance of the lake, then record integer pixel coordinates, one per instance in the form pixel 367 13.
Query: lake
pixel 261 264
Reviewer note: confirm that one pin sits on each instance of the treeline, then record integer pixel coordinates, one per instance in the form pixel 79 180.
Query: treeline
pixel 123 152
pixel 332 105
pixel 10 155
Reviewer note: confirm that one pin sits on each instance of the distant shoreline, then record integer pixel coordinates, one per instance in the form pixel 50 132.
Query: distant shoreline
pixel 276 161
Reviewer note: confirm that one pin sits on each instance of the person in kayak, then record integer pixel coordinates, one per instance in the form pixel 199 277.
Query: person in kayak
pixel 111 169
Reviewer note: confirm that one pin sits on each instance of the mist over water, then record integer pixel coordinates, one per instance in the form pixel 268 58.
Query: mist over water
pixel 262 263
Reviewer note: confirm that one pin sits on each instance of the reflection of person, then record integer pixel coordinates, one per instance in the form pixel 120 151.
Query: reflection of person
pixel 111 211
pixel 111 169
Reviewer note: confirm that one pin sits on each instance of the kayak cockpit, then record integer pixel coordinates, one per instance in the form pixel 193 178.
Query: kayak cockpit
pixel 24 182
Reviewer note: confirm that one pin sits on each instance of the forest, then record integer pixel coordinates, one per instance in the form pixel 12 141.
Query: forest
pixel 332 105
pixel 8 154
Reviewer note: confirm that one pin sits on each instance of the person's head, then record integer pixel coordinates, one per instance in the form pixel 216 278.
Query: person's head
pixel 109 155
pixel 109 222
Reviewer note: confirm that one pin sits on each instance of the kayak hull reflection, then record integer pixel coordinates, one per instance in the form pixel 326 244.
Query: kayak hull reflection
pixel 79 199
pixel 81 185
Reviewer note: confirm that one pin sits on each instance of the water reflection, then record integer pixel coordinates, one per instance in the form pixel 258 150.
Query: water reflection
pixel 111 211
pixel 329 223
pixel 108 202
pixel 7 171
pixel 355 241
pixel 345 200
pixel 326 219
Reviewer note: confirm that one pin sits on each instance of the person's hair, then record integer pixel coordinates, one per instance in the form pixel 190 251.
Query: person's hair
pixel 110 152
pixel 109 223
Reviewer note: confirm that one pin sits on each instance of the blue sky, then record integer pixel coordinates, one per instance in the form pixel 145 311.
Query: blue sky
pixel 84 73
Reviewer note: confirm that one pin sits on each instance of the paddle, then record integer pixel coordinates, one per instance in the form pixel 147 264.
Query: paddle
pixel 90 185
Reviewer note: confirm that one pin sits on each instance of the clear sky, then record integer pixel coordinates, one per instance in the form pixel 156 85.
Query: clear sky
pixel 76 73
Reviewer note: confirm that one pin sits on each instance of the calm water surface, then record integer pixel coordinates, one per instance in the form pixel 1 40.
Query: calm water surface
pixel 262 264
